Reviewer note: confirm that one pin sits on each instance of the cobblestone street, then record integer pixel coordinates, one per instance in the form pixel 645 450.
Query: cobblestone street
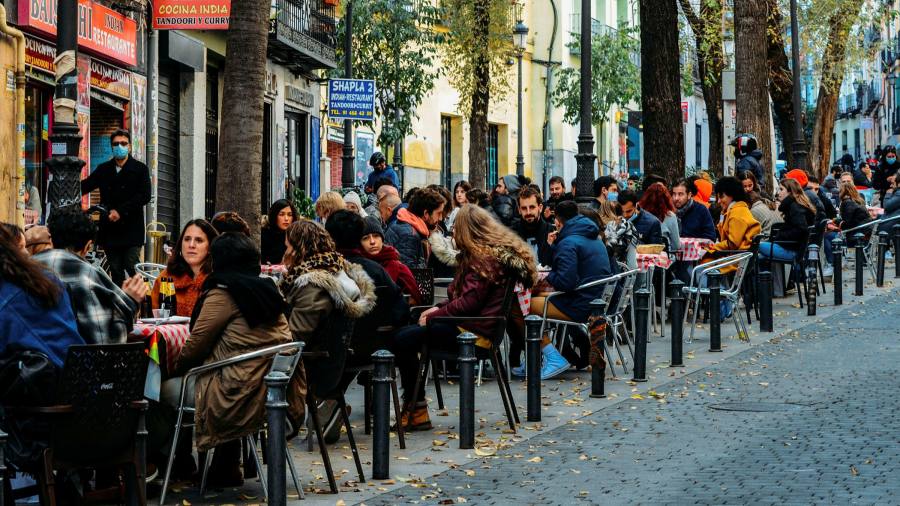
pixel 809 418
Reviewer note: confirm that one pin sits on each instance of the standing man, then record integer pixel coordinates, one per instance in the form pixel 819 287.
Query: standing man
pixel 532 228
pixel 124 185
pixel 380 170
pixel 747 157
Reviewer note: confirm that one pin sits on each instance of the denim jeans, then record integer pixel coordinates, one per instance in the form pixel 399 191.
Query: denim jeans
pixel 829 250
pixel 774 251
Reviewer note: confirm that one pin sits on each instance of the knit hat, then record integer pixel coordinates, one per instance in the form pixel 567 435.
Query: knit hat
pixel 512 183
pixel 354 198
pixel 37 235
pixel 372 226
pixel 704 191
pixel 798 175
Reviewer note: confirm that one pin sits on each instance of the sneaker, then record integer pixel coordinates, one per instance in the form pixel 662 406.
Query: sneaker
pixel 518 371
pixel 332 428
pixel 726 308
pixel 554 363
pixel 417 420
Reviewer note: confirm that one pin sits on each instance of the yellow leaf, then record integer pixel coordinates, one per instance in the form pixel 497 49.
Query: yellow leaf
pixel 438 442
pixel 485 451
pixel 763 384
pixel 638 397
pixel 184 502
pixel 460 500
pixel 583 457
pixel 535 460
pixel 340 502
pixel 470 472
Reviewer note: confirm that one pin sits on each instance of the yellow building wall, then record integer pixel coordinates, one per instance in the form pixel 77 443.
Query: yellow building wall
pixel 9 152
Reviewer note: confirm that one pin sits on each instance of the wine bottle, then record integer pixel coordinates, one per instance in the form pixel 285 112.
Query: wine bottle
pixel 147 304
pixel 173 299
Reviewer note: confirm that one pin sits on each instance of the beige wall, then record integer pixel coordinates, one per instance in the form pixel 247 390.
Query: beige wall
pixel 8 137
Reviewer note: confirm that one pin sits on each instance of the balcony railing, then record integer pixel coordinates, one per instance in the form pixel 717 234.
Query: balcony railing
pixel 302 34
pixel 598 29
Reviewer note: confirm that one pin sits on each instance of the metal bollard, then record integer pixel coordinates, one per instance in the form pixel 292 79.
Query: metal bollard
pixel 533 366
pixel 837 278
pixel 882 253
pixel 381 423
pixel 676 302
pixel 467 361
pixel 858 243
pixel 812 278
pixel 641 331
pixel 895 231
pixel 276 411
pixel 764 290
pixel 714 281
pixel 597 329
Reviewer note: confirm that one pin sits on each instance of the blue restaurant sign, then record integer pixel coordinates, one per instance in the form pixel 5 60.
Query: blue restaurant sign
pixel 352 99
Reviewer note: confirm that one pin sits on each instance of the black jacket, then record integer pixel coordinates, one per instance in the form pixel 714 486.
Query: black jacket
pixel 830 211
pixel 126 192
pixel 751 163
pixel 272 245
pixel 797 220
pixel 853 214
pixel 390 309
pixel 507 209
pixel 535 235
pixel 821 213
pixel 648 227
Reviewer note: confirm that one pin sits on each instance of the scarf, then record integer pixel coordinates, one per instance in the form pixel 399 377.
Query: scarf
pixel 257 298
pixel 682 212
pixel 329 261
pixel 407 217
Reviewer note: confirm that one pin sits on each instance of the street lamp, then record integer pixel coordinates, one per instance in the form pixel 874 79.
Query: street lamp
pixel 520 32
pixel 348 169
pixel 584 180
pixel 799 145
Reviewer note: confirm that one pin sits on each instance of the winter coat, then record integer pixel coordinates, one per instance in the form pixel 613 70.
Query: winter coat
pixel 25 324
pixel 765 216
pixel 821 214
pixel 410 242
pixel 853 214
pixel 272 245
pixel 669 227
pixel 442 248
pixel 882 172
pixel 535 235
pixel 126 192
pixel 471 294
pixel 891 206
pixel 323 308
pixel 579 257
pixel 695 221
pixel 751 163
pixel 830 211
pixel 506 209
pixel 187 291
pixel 648 227
pixel 737 229
pixel 389 259
pixel 388 173
pixel 231 402
pixel 797 220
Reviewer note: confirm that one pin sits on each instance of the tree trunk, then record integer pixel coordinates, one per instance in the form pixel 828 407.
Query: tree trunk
pixel 833 67
pixel 751 79
pixel 781 79
pixel 481 99
pixel 707 28
pixel 661 90
pixel 241 134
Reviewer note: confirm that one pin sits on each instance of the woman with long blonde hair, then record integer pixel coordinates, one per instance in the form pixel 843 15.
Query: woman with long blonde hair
pixel 799 214
pixel 490 256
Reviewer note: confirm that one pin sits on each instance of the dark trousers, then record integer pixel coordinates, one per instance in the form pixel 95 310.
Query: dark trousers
pixel 406 345
pixel 121 260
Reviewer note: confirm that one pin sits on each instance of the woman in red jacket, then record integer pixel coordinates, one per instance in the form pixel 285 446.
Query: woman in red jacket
pixel 372 246
pixel 489 255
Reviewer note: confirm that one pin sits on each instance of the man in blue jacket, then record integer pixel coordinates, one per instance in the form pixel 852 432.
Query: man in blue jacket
pixel 694 219
pixel 380 170
pixel 648 227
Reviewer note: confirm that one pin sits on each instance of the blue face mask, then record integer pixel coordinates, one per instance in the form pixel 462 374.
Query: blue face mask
pixel 120 152
pixel 612 196
pixel 891 161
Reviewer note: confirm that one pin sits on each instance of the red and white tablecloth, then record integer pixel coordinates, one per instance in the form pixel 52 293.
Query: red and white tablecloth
pixel 875 212
pixel 524 295
pixel 273 270
pixel 171 341
pixel 647 260
pixel 692 248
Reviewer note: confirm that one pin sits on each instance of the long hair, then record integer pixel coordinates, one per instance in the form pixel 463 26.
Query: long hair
pixel 657 201
pixel 448 199
pixel 19 269
pixel 276 208
pixel 177 265
pixel 465 187
pixel 479 236
pixel 308 238
pixel 793 188
pixel 849 191
pixel 747 175
pixel 328 203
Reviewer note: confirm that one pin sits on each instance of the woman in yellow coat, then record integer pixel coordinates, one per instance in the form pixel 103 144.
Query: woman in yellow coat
pixel 737 226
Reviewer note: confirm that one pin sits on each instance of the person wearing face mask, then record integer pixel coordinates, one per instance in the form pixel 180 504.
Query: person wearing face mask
pixel 124 185
pixel 887 166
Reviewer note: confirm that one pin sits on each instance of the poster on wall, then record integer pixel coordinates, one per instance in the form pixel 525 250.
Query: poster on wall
pixel 365 146
pixel 83 115
pixel 314 156
pixel 138 110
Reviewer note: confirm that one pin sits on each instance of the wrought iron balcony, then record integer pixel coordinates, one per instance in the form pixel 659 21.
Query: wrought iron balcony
pixel 302 34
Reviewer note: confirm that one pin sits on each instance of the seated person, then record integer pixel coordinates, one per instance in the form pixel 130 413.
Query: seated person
pixel 798 213
pixel 237 312
pixel 229 221
pixel 490 255
pixel 532 227
pixel 188 266
pixel 891 203
pixel 18 233
pixel 737 227
pixel 37 239
pixel 281 214
pixel 371 246
pixel 853 207
pixel 658 203
pixel 649 228
pixel 694 219
pixel 104 312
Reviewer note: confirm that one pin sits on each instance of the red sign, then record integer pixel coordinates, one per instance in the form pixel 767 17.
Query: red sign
pixel 40 55
pixel 112 80
pixel 684 112
pixel 100 29
pixel 191 14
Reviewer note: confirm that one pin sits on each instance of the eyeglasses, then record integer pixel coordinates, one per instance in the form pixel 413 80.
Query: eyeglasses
pixel 120 143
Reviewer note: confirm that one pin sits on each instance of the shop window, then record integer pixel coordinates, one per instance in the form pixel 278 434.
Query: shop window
pixel 446 150
pixel 493 145
pixel 37 124
pixel 297 168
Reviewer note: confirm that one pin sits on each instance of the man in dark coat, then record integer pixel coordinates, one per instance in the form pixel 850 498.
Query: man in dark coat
pixel 694 219
pixel 532 228
pixel 124 185
pixel 409 232
pixel 648 227
pixel 748 156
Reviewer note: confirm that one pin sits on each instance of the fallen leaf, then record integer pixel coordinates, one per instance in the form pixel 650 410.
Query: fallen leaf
pixel 485 451
pixel 535 460
pixel 638 397
pixel 438 442
pixel 763 384
pixel 460 500
pixel 184 502
pixel 854 471
pixel 470 472
pixel 340 502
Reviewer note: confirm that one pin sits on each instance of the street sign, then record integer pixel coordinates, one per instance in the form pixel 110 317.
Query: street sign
pixel 352 99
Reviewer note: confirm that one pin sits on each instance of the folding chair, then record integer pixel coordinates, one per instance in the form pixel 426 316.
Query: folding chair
pixel 733 292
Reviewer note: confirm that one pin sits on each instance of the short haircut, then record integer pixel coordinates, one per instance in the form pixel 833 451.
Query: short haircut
pixel 71 229
pixel 346 228
pixel 426 200
pixel 688 184
pixel 120 132
pixel 732 187
pixel 812 179
pixel 634 177
pixel 651 179
pixel 566 210
pixel 845 173
pixel 574 182
pixel 328 203
pixel 558 180
pixel 230 221
pixel 602 182
pixel 530 191
pixel 234 252
pixel 477 196
pixel 626 196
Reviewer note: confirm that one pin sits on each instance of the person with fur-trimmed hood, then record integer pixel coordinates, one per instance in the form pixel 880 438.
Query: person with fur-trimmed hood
pixel 490 255
pixel 325 294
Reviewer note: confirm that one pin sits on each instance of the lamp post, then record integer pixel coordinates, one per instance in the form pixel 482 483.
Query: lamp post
pixel 585 158
pixel 520 32
pixel 799 146
pixel 348 169
pixel 64 165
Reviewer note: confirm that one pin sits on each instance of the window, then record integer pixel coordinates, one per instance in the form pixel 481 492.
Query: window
pixel 493 142
pixel 698 145
pixel 297 168
pixel 856 144
pixel 446 150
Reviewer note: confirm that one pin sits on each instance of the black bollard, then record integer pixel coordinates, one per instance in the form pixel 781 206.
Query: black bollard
pixel 895 231
pixel 764 290
pixel 714 281
pixel 276 411
pixel 837 278
pixel 533 366
pixel 597 328
pixel 858 243
pixel 642 329
pixel 676 303
pixel 467 361
pixel 812 278
pixel 381 402
pixel 882 253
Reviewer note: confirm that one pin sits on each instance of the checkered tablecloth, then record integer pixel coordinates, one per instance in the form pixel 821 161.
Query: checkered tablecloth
pixel 692 248
pixel 524 295
pixel 645 261
pixel 875 212
pixel 276 270
pixel 171 341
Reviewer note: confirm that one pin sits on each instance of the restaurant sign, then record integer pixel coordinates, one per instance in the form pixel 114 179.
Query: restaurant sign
pixel 191 14
pixel 112 80
pixel 100 29
pixel 40 57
